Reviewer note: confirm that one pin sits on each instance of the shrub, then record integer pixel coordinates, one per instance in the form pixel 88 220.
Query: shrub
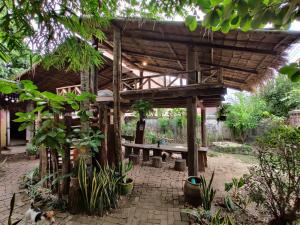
pixel 31 149
pixel 244 115
pixel 275 183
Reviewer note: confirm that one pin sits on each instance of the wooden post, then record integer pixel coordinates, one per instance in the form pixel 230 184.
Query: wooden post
pixel 203 127
pixel 117 72
pixel 66 161
pixel 141 80
pixel 103 123
pixel 191 115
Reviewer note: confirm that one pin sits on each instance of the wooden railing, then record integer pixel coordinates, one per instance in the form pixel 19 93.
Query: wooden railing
pixel 167 80
pixel 68 89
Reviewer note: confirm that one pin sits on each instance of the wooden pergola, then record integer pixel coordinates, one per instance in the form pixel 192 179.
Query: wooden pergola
pixel 201 63
pixel 188 69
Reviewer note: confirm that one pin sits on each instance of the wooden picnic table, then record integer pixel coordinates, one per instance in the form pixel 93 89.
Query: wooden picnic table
pixel 157 151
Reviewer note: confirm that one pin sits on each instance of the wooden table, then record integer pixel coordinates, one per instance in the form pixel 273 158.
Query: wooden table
pixel 157 151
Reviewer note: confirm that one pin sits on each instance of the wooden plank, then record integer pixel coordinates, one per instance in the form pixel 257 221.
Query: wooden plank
pixel 200 90
pixel 117 73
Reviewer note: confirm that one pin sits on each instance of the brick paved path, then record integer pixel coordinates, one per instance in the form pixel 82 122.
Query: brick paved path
pixel 9 184
pixel 156 199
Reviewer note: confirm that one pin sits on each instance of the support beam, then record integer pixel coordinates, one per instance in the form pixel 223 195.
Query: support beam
pixel 203 127
pixel 117 73
pixel 169 58
pixel 198 44
pixel 191 115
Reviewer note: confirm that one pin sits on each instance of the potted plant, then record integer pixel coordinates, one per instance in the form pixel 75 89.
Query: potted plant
pixel 126 183
pixel 31 151
pixel 143 108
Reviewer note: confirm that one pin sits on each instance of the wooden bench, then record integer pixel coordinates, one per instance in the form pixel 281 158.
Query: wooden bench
pixel 157 151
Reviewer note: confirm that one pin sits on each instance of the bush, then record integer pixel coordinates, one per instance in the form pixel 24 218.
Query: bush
pixel 275 183
pixel 31 149
pixel 244 115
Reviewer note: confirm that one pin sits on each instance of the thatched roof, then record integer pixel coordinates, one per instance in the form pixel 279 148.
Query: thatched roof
pixel 246 57
pixel 49 80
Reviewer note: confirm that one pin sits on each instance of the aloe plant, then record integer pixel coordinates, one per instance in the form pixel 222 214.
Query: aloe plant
pixel 207 192
pixel 100 190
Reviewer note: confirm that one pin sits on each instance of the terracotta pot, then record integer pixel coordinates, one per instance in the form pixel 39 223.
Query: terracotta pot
pixel 32 157
pixel 75 154
pixel 192 191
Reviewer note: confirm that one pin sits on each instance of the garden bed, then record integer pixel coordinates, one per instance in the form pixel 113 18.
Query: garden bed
pixel 232 147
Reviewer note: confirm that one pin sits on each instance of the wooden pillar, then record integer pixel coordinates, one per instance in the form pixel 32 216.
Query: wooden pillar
pixel 203 128
pixel 141 80
pixel 117 72
pixel 66 161
pixel 103 123
pixel 191 115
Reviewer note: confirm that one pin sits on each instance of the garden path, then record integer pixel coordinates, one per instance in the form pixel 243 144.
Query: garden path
pixel 156 199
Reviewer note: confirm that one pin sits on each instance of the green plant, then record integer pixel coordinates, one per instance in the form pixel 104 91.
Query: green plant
pixel 244 115
pixel 274 182
pixel 128 128
pixel 142 107
pixel 163 124
pixel 12 206
pixel 92 139
pixel 218 219
pixel 203 217
pixel 100 190
pixel 151 137
pixel 236 197
pixel 207 192
pixel 124 169
pixel 280 95
pixel 31 149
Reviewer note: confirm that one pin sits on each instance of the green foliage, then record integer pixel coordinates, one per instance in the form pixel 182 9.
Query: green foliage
pixel 244 115
pixel 31 149
pixel 142 107
pixel 281 96
pixel 92 139
pixel 233 148
pixel 100 190
pixel 12 206
pixel 128 128
pixel 204 217
pixel 236 197
pixel 51 132
pixel 124 169
pixel 151 137
pixel 292 71
pixel 207 192
pixel 274 182
pixel 163 124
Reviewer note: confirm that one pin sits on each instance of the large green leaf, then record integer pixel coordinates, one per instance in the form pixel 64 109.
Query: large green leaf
pixel 214 19
pixel 204 5
pixel 191 23
pixel 6 89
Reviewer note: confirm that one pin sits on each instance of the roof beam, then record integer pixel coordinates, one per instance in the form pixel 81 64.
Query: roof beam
pixel 160 57
pixel 202 44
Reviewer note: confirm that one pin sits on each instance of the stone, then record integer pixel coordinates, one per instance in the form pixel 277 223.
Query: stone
pixel 180 165
pixel 157 161
pixel 135 159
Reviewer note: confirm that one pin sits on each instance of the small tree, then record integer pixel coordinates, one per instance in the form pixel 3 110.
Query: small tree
pixel 244 115
pixel 143 108
pixel 275 183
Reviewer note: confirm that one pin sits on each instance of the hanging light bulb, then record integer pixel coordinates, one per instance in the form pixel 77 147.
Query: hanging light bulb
pixel 6 98
pixel 12 100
